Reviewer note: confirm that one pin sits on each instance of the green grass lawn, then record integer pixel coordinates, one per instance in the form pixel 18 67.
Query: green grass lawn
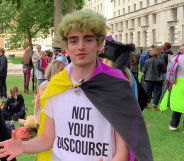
pixel 16 60
pixel 166 145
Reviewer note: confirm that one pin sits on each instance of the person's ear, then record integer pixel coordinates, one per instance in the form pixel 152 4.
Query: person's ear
pixel 100 45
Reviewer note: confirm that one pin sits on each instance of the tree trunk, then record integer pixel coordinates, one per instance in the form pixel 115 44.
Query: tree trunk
pixel 57 21
pixel 30 43
pixel 70 6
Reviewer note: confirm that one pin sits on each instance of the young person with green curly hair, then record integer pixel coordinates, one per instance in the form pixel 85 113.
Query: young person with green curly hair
pixel 90 110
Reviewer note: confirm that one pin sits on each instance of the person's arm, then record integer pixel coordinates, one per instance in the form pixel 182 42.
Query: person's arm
pixel 145 67
pixel 38 65
pixel 122 150
pixel 163 68
pixel 6 104
pixel 33 59
pixel 31 63
pixel 3 64
pixel 15 147
pixel 22 104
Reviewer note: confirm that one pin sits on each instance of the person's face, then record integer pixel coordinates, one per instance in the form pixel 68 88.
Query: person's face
pixel 56 52
pixel 42 55
pixel 18 92
pixel 38 48
pixel 182 50
pixel 82 48
pixel 61 67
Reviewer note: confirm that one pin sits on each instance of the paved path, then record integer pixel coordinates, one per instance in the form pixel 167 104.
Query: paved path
pixel 15 69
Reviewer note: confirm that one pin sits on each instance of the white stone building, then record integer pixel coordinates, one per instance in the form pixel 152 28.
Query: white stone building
pixel 143 22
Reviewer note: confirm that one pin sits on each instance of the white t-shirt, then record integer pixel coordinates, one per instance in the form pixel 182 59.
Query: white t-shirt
pixel 82 133
pixel 180 70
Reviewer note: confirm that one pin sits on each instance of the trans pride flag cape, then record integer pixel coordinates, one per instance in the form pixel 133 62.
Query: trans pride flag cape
pixel 113 96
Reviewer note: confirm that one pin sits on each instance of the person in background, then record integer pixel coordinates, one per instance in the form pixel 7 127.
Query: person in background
pixel 134 61
pixel 60 56
pixel 3 74
pixel 154 71
pixel 4 133
pixel 54 68
pixel 176 94
pixel 41 65
pixel 67 56
pixel 27 66
pixel 14 107
pixel 166 53
pixel 48 56
pixel 35 57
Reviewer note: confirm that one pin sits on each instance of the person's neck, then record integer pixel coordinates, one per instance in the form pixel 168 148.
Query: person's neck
pixel 81 72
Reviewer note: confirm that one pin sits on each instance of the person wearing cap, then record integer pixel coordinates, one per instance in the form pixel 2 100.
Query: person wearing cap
pixel 60 56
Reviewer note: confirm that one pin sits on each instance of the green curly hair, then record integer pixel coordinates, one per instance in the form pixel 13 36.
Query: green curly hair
pixel 84 20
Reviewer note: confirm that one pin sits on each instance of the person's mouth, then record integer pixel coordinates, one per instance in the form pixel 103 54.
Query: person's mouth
pixel 81 55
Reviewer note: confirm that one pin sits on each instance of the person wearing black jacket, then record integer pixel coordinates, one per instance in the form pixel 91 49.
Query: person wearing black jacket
pixel 3 74
pixel 14 107
pixel 167 51
pixel 27 66
pixel 4 133
pixel 154 70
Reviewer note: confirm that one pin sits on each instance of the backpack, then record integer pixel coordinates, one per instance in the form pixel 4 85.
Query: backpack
pixel 23 133
pixel 171 74
pixel 144 56
pixel 10 126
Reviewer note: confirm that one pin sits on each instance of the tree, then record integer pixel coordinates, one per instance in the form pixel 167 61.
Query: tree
pixel 26 22
pixel 61 7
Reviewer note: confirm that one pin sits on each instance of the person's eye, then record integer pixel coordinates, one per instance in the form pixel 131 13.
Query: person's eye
pixel 89 40
pixel 73 41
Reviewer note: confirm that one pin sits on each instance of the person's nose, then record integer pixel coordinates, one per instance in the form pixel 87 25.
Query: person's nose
pixel 81 46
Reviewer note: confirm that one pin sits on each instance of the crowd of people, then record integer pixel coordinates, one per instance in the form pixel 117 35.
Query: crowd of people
pixel 76 103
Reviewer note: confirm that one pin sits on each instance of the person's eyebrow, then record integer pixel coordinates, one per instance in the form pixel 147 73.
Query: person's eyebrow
pixel 87 36
pixel 73 37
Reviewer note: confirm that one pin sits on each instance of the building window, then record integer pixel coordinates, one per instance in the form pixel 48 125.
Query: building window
pixel 127 24
pixel 139 38
pixel 126 35
pixel 95 8
pixel 123 1
pixel 175 16
pixel 101 7
pixel 114 14
pixel 131 37
pixel 141 5
pixel 139 21
pixel 116 25
pixel 119 2
pixel 116 37
pixel 154 18
pixel 114 3
pixel 18 45
pixel 6 43
pixel 112 28
pixel 172 35
pixel 148 3
pixel 122 25
pixel 98 8
pixel 128 9
pixel 89 6
pixel 154 36
pixel 155 1
pixel 123 10
pixel 118 12
pixel 145 38
pixel 147 20
pixel 133 23
pixel 120 38
pixel 134 7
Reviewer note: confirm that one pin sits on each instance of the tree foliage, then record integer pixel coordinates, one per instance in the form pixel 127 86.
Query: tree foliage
pixel 28 21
